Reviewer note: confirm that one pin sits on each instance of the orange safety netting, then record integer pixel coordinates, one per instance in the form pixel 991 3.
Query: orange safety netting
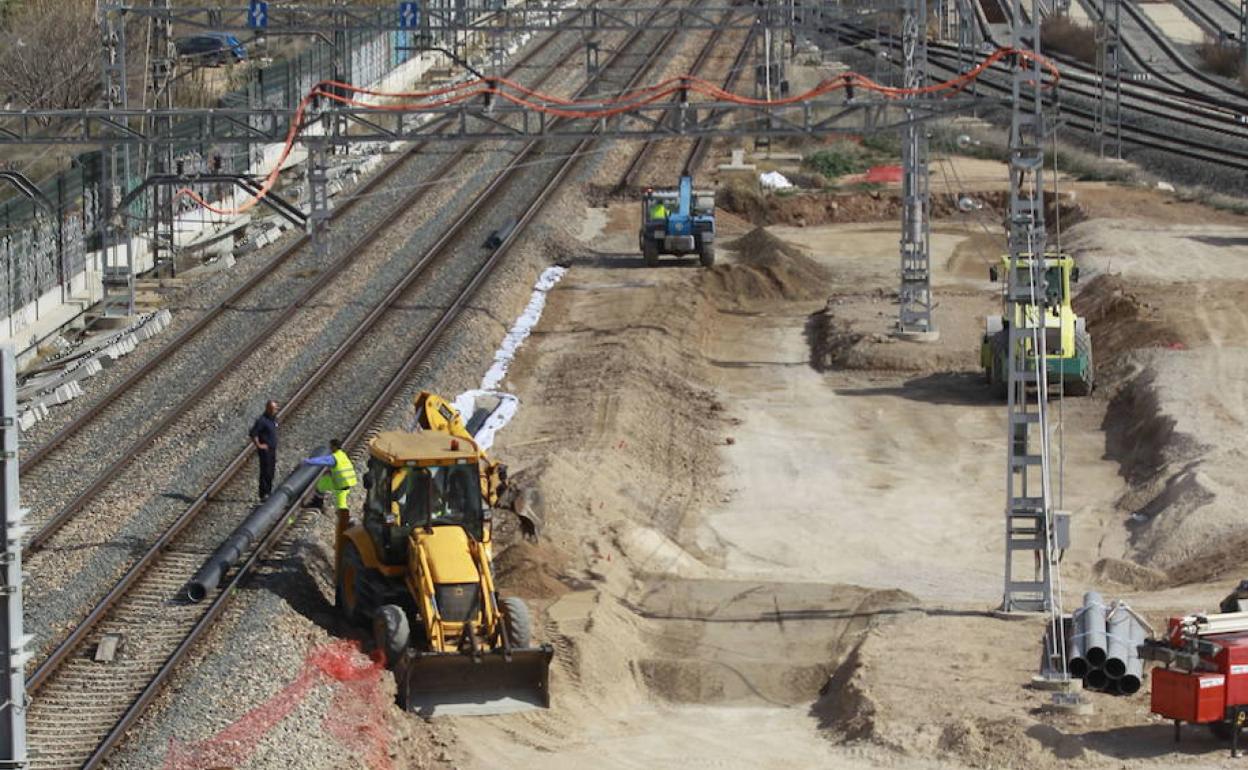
pixel 356 717
pixel 596 108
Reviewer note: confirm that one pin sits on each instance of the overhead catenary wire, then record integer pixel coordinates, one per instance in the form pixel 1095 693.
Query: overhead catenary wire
pixel 595 108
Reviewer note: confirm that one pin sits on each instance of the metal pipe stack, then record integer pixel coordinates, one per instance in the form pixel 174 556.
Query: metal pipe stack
pixel 1103 648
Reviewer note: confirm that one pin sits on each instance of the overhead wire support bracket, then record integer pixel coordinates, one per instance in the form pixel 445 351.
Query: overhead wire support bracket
pixel 243 126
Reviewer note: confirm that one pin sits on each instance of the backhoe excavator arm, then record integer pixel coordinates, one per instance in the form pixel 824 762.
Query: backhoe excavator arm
pixel 437 414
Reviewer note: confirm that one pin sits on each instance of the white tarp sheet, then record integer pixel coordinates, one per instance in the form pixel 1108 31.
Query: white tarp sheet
pixel 508 404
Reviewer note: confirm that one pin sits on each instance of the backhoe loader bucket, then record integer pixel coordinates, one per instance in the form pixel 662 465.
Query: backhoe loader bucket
pixel 453 684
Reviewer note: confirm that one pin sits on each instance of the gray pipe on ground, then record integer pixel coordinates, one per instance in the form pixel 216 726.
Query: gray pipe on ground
pixel 1118 644
pixel 1094 630
pixel 1096 679
pixel 254 527
pixel 1130 682
pixel 1077 644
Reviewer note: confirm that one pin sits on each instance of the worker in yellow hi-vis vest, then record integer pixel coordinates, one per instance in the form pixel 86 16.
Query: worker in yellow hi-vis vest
pixel 341 476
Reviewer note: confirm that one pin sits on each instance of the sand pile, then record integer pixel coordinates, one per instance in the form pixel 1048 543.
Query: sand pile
pixel 767 268
pixel 531 570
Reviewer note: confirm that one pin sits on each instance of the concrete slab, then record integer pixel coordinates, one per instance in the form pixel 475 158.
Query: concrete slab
pixel 1173 23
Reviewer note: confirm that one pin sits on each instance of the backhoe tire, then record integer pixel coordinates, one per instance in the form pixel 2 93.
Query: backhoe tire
pixel 998 377
pixel 391 632
pixel 650 253
pixel 1084 386
pixel 517 621
pixel 706 255
pixel 347 595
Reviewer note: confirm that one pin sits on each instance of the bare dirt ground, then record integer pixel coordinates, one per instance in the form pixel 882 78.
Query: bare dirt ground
pixel 773 533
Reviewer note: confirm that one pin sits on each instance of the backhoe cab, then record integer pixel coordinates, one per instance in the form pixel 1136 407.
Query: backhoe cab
pixel 1067 343
pixel 417 566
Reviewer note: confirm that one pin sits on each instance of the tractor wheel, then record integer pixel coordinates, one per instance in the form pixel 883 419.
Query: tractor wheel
pixel 348 597
pixel 998 377
pixel 1083 349
pixel 650 252
pixel 706 255
pixel 391 632
pixel 518 623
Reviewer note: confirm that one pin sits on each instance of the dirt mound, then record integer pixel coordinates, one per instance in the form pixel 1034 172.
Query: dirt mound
pixel 837 339
pixel 980 742
pixel 531 570
pixel 1137 433
pixel 806 209
pixel 1121 321
pixel 1224 561
pixel 1167 427
pixel 768 268
pixel 845 709
pixel 1129 575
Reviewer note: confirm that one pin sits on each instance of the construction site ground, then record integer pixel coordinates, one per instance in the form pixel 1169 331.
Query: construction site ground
pixel 773 533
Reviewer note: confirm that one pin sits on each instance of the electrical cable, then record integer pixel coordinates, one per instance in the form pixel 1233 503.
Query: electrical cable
pixel 597 108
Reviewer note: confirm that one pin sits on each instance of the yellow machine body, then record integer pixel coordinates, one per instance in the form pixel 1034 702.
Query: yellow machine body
pixel 418 564
pixel 1068 346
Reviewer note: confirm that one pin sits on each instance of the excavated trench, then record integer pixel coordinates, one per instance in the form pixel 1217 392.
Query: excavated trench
pixel 729 642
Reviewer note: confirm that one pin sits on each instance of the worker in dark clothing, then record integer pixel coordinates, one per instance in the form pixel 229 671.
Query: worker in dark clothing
pixel 264 435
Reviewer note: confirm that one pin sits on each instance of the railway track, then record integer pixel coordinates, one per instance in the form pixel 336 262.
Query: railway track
pixel 79 710
pixel 694 151
pixel 172 479
pixel 1078 82
pixel 645 158
pixel 1161 82
pixel 222 320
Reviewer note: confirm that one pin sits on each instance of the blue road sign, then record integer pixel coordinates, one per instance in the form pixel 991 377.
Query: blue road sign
pixel 258 14
pixel 409 15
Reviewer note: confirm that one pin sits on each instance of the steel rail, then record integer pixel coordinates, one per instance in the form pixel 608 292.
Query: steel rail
pixel 1146 65
pixel 702 144
pixel 131 576
pixel 378 406
pixel 34 457
pixel 629 177
pixel 1192 149
pixel 49 527
pixel 1141 137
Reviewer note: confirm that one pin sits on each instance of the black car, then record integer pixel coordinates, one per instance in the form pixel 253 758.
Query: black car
pixel 211 49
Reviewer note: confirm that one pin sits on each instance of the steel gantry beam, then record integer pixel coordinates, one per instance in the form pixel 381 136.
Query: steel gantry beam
pixel 529 17
pixel 473 122
pixel 914 319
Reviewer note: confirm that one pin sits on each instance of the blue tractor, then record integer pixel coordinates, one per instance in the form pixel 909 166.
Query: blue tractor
pixel 678 222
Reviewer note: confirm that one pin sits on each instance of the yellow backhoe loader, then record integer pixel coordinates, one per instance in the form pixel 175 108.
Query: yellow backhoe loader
pixel 417 566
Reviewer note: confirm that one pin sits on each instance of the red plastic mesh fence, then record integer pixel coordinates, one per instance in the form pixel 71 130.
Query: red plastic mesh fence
pixel 356 717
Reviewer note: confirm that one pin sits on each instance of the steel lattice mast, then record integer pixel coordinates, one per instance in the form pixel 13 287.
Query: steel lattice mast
pixel 915 296
pixel 1030 519
pixel 1109 68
